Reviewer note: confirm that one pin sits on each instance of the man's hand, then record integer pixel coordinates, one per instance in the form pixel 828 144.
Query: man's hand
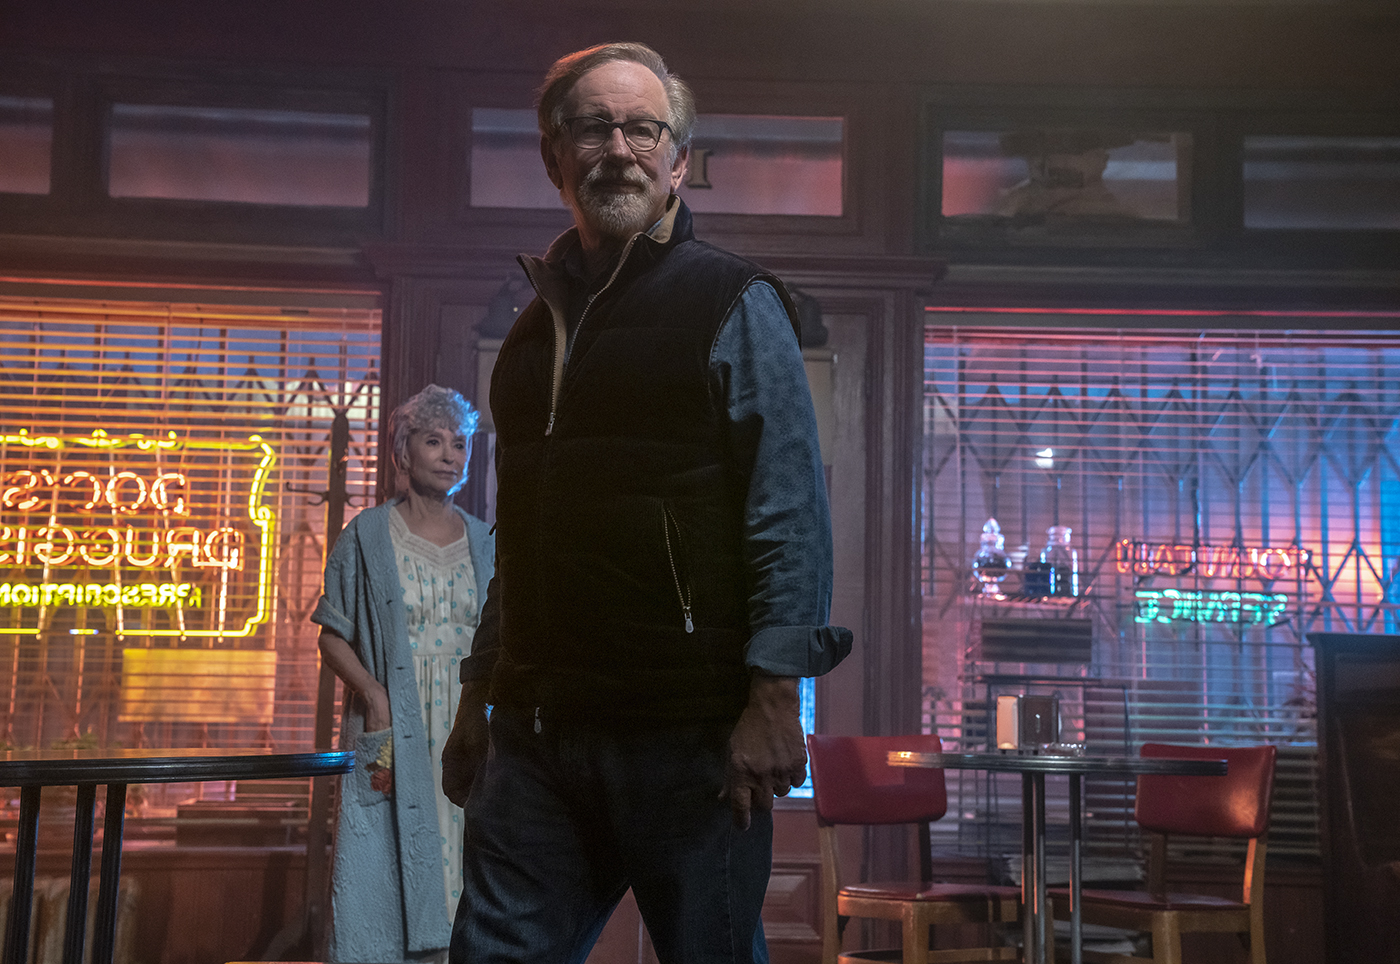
pixel 466 746
pixel 767 757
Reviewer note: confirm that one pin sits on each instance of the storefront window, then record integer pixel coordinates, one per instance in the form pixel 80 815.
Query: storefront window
pixel 1187 505
pixel 164 483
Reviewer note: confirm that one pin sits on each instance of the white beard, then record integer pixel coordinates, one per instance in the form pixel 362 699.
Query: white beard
pixel 617 214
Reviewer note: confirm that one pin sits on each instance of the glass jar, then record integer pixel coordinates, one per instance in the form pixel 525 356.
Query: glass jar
pixel 991 563
pixel 1060 562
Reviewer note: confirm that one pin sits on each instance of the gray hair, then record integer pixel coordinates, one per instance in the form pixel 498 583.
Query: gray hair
pixel 432 408
pixel 568 69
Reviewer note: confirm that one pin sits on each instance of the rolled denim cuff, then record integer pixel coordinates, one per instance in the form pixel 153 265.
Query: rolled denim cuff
pixel 798 650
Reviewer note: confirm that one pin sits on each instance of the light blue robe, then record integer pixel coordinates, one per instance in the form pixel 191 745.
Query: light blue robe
pixel 387 890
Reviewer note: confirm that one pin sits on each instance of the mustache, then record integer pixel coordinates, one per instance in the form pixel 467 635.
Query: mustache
pixel 626 173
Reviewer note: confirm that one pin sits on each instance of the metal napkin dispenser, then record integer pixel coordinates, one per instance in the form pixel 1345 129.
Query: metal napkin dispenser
pixel 1027 722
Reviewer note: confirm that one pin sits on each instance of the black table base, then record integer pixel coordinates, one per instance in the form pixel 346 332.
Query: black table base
pixel 86 770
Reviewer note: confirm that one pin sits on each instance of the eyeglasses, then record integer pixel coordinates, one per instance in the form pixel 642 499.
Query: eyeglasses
pixel 591 133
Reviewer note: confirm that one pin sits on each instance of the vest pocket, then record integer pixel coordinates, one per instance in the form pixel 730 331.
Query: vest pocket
pixel 671 534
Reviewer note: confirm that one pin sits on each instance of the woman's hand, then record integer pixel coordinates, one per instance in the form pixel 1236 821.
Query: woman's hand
pixel 378 715
pixel 340 657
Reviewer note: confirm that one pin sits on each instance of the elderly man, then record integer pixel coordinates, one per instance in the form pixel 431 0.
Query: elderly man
pixel 664 560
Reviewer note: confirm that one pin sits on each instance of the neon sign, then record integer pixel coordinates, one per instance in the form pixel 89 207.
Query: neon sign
pixel 162 536
pixel 97 595
pixel 1179 605
pixel 1265 563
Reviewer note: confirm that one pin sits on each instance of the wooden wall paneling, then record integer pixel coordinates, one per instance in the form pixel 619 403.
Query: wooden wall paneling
pixel 892 678
pixel 893 667
pixel 430 336
pixel 841 693
pixel 792 908
pixel 419 149
pixel 204 905
pixel 871 310
pixel 1346 46
pixel 407 347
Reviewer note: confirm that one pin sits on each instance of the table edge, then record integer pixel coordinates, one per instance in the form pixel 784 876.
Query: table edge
pixel 1017 763
pixel 174 769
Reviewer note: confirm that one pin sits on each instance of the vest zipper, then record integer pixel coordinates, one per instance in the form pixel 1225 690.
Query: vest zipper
pixel 561 348
pixel 666 523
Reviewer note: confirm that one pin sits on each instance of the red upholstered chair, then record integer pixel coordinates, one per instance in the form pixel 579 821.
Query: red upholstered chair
pixel 854 784
pixel 1235 805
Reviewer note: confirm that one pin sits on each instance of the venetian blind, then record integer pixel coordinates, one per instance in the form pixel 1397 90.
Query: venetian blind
pixel 164 476
pixel 1228 492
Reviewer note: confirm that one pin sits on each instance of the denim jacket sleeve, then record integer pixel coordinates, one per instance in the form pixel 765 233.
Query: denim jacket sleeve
pixel 757 370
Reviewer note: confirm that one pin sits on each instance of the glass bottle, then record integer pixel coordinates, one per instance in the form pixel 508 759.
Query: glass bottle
pixel 1061 562
pixel 991 563
pixel 1035 582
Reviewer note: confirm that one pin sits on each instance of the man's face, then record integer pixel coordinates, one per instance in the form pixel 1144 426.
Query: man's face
pixel 615 191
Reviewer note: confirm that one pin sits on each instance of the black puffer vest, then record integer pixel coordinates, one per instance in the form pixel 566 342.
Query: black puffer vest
pixel 619 526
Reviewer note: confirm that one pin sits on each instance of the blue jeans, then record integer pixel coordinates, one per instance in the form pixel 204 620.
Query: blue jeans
pixel 561 822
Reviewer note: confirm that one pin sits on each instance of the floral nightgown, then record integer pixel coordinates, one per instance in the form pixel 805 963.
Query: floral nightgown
pixel 442 606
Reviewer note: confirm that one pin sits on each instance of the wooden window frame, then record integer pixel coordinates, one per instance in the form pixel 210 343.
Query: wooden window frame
pixel 78 203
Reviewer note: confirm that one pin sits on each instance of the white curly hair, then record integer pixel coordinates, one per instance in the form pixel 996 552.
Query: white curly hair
pixel 433 408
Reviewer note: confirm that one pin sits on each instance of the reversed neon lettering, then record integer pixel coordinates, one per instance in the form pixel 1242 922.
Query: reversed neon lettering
pixel 160 493
pixel 183 540
pixel 91 503
pixel 224 549
pixel 92 536
pixel 131 540
pixel 114 492
pixel 44 549
pixel 99 595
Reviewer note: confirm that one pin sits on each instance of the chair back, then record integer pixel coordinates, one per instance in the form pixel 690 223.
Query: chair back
pixel 1234 805
pixel 852 781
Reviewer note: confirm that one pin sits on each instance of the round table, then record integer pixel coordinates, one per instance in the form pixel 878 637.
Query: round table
pixel 1039 943
pixel 31 770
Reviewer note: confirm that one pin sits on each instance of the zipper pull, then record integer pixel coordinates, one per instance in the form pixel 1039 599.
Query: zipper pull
pixel 549 429
pixel 537 719
pixel 689 623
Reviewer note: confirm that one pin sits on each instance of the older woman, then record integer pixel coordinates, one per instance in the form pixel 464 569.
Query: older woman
pixel 404 586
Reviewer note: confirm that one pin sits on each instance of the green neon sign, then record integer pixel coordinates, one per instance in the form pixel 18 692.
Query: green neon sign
pixel 1180 605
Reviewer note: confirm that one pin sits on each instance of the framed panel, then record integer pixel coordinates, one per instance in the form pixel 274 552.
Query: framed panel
pixel 241 155
pixel 775 166
pixel 242 161
pixel 252 156
pixel 1060 178
pixel 26 144
pixel 1321 183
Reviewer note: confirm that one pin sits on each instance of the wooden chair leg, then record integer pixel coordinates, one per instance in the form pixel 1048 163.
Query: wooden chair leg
pixel 832 931
pixel 916 931
pixel 1166 940
pixel 1256 938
